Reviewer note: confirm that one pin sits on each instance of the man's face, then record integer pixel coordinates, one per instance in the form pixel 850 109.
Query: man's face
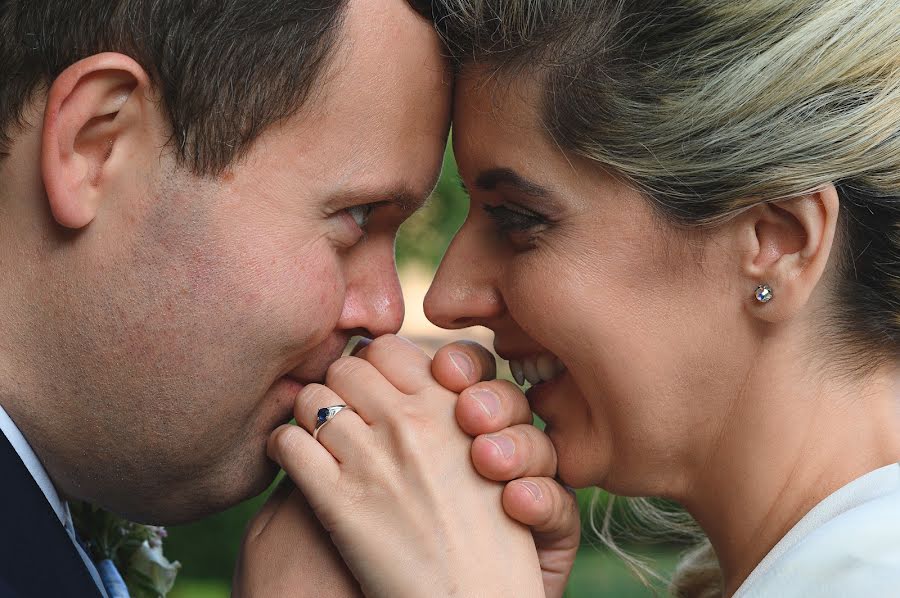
pixel 199 307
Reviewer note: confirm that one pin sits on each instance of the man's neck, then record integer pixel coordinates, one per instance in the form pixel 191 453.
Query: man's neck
pixel 23 448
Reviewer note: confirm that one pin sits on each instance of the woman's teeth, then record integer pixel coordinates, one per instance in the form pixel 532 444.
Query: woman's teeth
pixel 536 369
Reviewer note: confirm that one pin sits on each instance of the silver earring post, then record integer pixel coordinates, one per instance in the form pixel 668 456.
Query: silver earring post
pixel 763 293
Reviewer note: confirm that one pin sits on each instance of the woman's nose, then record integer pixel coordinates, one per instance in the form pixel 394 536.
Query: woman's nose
pixel 464 291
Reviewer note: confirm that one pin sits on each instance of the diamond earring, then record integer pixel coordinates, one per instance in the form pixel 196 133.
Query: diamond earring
pixel 763 293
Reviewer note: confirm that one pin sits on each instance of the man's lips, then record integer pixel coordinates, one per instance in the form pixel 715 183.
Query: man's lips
pixel 285 391
pixel 311 369
pixel 294 382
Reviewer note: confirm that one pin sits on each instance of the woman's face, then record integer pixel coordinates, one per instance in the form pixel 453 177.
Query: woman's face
pixel 562 260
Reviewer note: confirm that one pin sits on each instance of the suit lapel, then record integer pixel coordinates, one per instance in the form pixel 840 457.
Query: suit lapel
pixel 37 557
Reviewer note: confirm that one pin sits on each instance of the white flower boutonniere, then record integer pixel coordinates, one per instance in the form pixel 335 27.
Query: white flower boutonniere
pixel 134 549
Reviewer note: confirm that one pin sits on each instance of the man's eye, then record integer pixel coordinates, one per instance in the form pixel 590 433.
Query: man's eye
pixel 361 214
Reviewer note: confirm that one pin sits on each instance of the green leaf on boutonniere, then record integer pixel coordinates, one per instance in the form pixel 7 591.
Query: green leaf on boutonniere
pixel 135 549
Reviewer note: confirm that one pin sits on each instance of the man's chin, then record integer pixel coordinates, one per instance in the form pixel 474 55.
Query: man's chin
pixel 202 499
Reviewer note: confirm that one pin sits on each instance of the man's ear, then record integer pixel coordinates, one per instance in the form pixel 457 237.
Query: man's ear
pixel 786 245
pixel 91 106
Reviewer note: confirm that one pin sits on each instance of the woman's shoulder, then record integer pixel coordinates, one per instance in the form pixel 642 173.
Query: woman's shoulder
pixel 848 545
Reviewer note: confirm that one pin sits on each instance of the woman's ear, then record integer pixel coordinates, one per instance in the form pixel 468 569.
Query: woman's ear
pixel 786 246
pixel 91 108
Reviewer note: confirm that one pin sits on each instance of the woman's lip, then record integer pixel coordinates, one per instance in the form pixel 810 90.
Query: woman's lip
pixel 537 395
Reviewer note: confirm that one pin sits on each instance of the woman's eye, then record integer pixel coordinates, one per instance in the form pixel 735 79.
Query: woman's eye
pixel 361 214
pixel 515 223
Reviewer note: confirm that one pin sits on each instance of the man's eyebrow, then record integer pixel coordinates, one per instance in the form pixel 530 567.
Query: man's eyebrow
pixel 402 197
pixel 489 180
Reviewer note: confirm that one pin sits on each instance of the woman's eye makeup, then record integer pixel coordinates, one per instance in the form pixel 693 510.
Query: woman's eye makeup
pixel 518 225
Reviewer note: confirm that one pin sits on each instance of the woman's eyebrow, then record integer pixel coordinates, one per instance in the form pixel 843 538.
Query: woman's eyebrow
pixel 489 180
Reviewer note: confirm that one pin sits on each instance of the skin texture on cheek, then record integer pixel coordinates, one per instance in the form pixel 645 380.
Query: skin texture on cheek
pixel 184 329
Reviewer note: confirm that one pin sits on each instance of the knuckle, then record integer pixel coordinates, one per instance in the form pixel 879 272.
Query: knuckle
pixel 552 513
pixel 308 402
pixel 563 509
pixel 345 366
pixel 544 450
pixel 309 395
pixel 287 442
pixel 382 344
pixel 409 416
pixel 413 436
pixel 388 344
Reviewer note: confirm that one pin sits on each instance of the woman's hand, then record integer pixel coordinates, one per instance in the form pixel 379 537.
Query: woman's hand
pixel 394 485
pixel 285 552
pixel 488 408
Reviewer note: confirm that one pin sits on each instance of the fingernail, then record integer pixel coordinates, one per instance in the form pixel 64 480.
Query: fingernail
pixel 487 400
pixel 463 363
pixel 506 446
pixel 533 489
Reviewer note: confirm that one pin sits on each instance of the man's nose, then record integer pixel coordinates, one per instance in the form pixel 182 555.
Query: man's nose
pixel 464 291
pixel 373 300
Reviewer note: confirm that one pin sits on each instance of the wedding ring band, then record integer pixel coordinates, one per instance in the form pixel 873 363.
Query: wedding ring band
pixel 325 415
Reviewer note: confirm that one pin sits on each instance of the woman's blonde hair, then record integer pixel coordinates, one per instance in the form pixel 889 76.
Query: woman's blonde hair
pixel 713 106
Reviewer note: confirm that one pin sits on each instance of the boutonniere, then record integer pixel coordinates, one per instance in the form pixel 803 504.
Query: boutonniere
pixel 134 549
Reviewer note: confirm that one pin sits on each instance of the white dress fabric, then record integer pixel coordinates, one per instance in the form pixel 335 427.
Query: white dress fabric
pixel 846 546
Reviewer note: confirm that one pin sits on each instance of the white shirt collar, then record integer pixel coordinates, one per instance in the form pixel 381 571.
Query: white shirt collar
pixel 37 471
pixel 35 468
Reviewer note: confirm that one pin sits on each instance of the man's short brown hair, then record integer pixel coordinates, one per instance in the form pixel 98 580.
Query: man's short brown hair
pixel 225 70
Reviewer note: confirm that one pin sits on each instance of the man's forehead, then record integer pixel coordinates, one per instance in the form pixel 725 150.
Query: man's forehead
pixel 385 43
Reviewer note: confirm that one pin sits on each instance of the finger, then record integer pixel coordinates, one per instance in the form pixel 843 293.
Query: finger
pixel 548 508
pixel 259 522
pixel 552 513
pixel 516 452
pixel 400 361
pixel 341 433
pixel 309 464
pixel 358 383
pixel 461 364
pixel 489 407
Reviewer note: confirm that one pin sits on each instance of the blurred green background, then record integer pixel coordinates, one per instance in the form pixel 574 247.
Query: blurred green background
pixel 208 549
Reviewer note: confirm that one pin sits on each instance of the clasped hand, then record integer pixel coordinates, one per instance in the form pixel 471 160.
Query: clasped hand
pixel 407 497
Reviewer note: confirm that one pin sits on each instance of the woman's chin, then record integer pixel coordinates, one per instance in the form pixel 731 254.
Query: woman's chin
pixel 561 405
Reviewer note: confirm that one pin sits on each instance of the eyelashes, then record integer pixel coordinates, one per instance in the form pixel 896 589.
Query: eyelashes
pixel 361 214
pixel 513 220
pixel 517 226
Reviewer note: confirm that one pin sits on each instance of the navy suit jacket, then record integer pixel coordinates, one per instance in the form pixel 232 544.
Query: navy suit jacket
pixel 37 557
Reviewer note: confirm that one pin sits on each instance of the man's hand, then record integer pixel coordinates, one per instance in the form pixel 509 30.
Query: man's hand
pixel 508 448
pixel 286 552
